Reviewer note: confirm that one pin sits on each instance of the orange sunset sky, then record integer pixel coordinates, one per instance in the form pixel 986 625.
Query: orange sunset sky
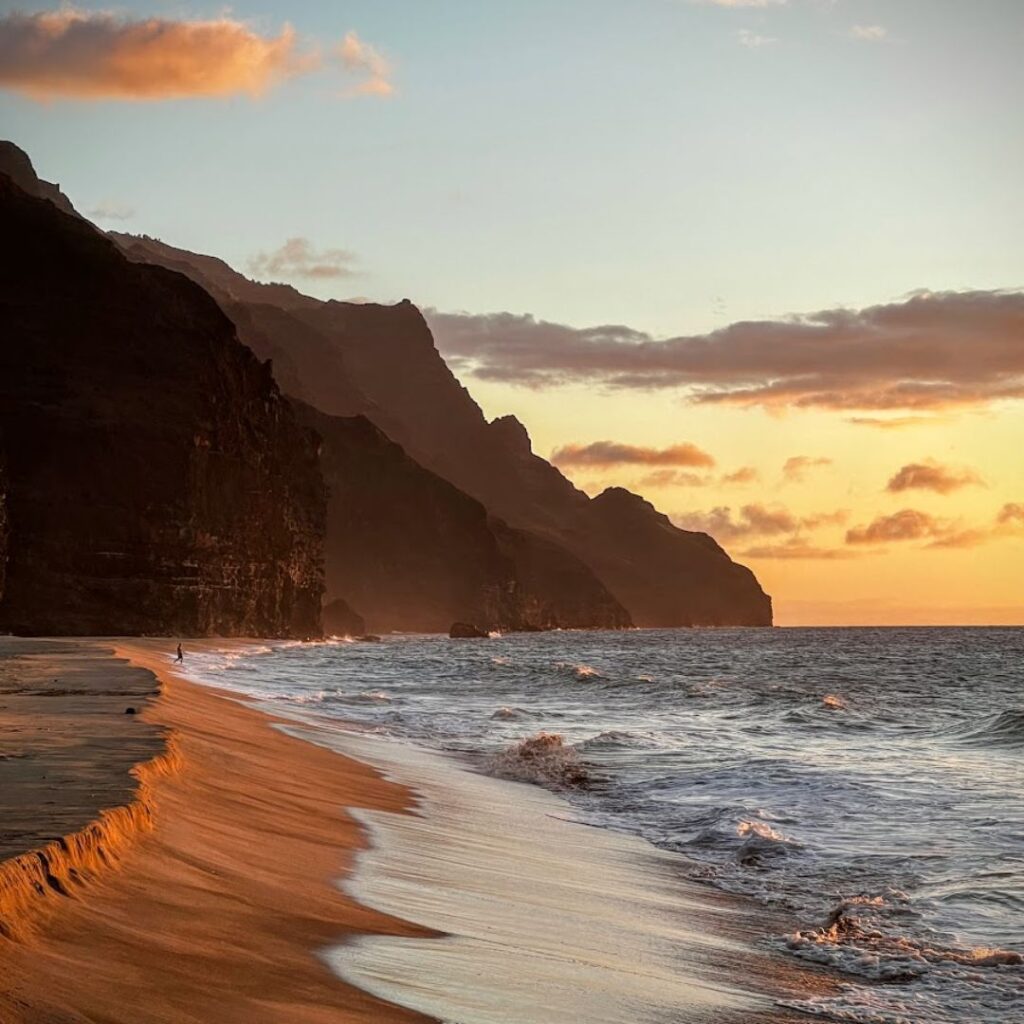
pixel 758 260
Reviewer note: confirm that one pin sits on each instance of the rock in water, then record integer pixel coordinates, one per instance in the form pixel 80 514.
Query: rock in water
pixel 466 631
pixel 157 481
pixel 340 619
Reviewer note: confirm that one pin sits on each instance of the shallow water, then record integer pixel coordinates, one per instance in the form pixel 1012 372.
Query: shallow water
pixel 542 919
pixel 868 781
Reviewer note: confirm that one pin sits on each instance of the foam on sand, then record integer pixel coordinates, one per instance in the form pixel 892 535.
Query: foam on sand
pixel 545 919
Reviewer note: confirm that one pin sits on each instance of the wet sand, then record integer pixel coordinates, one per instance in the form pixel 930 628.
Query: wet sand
pixel 545 918
pixel 210 902
pixel 67 747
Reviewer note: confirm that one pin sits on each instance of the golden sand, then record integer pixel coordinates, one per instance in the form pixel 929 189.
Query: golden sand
pixel 206 897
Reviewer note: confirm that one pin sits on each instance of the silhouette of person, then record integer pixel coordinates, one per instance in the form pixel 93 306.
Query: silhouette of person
pixel 180 658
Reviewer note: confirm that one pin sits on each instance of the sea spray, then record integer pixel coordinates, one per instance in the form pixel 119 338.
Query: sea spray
pixel 802 768
pixel 544 758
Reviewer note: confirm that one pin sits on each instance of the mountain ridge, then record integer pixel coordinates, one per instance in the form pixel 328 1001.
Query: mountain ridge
pixel 157 482
pixel 381 361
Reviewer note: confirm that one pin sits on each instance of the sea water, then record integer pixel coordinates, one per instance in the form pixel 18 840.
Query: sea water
pixel 867 782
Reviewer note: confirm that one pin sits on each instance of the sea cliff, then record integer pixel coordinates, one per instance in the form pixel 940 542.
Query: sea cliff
pixel 157 480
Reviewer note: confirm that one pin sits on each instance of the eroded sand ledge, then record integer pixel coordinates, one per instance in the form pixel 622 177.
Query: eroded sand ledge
pixel 205 896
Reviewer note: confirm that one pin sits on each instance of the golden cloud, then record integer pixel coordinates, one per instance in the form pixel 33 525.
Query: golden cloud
pixel 361 57
pixel 797 549
pixel 911 524
pixel 743 475
pixel 612 453
pixel 102 56
pixel 796 468
pixel 931 476
pixel 754 520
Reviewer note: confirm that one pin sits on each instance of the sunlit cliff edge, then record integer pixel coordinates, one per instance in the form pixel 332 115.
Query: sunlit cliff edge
pixel 158 481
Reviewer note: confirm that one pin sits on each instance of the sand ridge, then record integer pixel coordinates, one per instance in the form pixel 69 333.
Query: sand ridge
pixel 224 891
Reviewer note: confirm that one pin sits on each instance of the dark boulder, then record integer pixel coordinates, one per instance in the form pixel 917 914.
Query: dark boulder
pixel 340 619
pixel 466 631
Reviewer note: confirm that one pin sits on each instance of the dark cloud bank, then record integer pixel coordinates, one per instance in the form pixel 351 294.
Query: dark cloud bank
pixel 930 352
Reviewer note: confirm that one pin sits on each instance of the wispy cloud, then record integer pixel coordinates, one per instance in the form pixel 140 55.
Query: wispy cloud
pixel 671 478
pixel 98 55
pixel 895 422
pixel 358 56
pixel 743 475
pixel 662 478
pixel 613 453
pixel 869 33
pixel 110 210
pixel 750 520
pixel 796 468
pixel 797 548
pixel 1011 513
pixel 754 40
pixel 743 3
pixel 931 476
pixel 929 352
pixel 298 258
pixel 754 520
pixel 907 524
pixel 912 524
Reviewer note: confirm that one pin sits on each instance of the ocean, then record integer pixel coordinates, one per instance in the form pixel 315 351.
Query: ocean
pixel 868 784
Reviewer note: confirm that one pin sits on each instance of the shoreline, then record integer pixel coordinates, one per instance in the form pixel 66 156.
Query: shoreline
pixel 223 890
pixel 247 888
pixel 544 917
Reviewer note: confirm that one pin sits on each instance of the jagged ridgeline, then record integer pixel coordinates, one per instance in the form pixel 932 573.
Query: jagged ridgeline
pixel 156 479
pixel 381 362
pixel 408 550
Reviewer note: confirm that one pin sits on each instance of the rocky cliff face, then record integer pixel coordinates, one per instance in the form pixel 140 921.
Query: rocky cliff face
pixel 157 480
pixel 15 163
pixel 3 519
pixel 381 361
pixel 410 551
pixel 697 583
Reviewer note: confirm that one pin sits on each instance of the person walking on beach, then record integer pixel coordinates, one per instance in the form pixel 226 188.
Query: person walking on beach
pixel 180 657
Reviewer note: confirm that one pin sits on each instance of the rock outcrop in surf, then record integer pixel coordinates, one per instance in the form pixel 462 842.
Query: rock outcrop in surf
pixel 157 480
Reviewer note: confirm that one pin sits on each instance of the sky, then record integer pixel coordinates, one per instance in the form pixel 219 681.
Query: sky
pixel 758 260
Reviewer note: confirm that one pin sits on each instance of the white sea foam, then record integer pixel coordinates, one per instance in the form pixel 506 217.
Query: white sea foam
pixel 544 758
pixel 543 920
pixel 580 671
pixel 814 763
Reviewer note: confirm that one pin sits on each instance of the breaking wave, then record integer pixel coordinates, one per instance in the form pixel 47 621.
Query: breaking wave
pixel 1005 729
pixel 580 671
pixel 511 715
pixel 787 766
pixel 617 739
pixel 544 759
pixel 913 979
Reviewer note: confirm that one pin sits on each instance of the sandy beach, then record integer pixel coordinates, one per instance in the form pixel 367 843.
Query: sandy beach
pixel 200 866
pixel 206 898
